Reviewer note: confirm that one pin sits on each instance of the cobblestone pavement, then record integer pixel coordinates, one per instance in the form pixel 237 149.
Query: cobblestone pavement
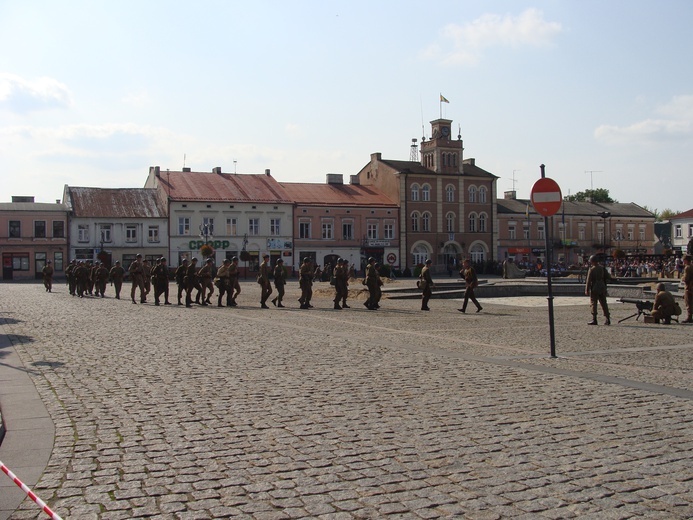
pixel 173 413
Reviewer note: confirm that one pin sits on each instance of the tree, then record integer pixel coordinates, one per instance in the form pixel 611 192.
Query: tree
pixel 598 195
pixel 655 212
pixel 667 213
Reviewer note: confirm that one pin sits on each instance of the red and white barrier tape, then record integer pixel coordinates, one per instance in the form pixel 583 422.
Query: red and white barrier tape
pixel 29 492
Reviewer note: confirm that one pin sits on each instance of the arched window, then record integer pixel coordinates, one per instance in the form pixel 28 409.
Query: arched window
pixel 450 193
pixel 426 221
pixel 454 159
pixel 420 254
pixel 414 192
pixel 450 222
pixel 472 222
pixel 472 194
pixel 415 221
pixel 425 192
pixel 477 253
pixel 482 223
pixel 482 194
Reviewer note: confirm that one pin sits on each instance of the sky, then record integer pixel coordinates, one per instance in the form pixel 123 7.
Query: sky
pixel 93 93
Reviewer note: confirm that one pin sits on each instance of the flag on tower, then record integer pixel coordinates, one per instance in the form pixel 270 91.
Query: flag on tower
pixel 443 100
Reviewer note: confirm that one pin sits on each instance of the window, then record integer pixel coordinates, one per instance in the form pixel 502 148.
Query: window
pixel 450 193
pixel 82 233
pixel 304 229
pixel 20 261
pixel 426 221
pixel 477 253
pixel 372 230
pixel 415 221
pixel 690 231
pixel 388 231
pixel 183 226
pixel 58 261
pixel 58 229
pixel 642 232
pixel 450 222
pixel 275 229
pixel 581 233
pixel 631 233
pixel 131 233
pixel 426 193
pixel 327 230
pixel 540 231
pixel 254 226
pixel 153 234
pixel 472 222
pixel 40 229
pixel 512 235
pixel 482 223
pixel 105 232
pixel 414 192
pixel 347 231
pixel 678 231
pixel 561 230
pixel 419 255
pixel 472 194
pixel 525 231
pixel 231 227
pixel 482 194
pixel 15 229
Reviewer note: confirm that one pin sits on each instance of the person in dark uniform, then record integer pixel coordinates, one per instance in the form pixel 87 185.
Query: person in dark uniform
pixel 146 277
pixel 341 283
pixel 180 279
pixel 117 273
pixel 279 282
pixel 595 288
pixel 222 283
pixel 687 279
pixel 82 277
pixel 204 276
pixel 47 273
pixel 137 277
pixel 100 279
pixel 371 283
pixel 426 285
pixel 305 281
pixel 160 279
pixel 471 282
pixel 234 274
pixel 264 281
pixel 348 271
pixel 664 305
pixel 71 278
pixel 191 282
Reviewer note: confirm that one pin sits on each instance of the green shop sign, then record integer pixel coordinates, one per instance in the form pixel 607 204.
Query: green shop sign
pixel 216 244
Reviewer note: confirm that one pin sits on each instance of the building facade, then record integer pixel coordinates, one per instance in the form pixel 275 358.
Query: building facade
pixel 682 232
pixel 446 202
pixel 116 224
pixel 350 221
pixel 577 231
pixel 243 215
pixel 31 234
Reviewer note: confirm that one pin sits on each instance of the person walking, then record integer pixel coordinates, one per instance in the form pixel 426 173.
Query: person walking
pixel 47 273
pixel 160 279
pixel 264 281
pixel 222 283
pixel 471 282
pixel 688 288
pixel 191 282
pixel 234 274
pixel 595 288
pixel 137 277
pixel 279 282
pixel 116 275
pixel 340 283
pixel 347 271
pixel 371 283
pixel 204 276
pixel 305 281
pixel 426 285
pixel 101 279
pixel 180 279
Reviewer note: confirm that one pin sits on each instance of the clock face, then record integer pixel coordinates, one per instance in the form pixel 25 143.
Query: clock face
pixel 446 131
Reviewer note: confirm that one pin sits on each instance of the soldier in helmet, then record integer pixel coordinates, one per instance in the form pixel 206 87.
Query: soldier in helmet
pixel 426 285
pixel 222 283
pixel 348 271
pixel 160 278
pixel 47 272
pixel 595 288
pixel 305 281
pixel 371 281
pixel 180 279
pixel 100 279
pixel 136 271
pixel 234 274
pixel 264 281
pixel 279 282
pixel 191 282
pixel 116 274
pixel 340 283
pixel 205 275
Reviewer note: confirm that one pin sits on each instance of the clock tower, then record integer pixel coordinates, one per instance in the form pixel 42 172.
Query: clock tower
pixel 442 154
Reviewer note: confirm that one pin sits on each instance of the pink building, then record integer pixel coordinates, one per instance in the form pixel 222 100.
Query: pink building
pixel 32 233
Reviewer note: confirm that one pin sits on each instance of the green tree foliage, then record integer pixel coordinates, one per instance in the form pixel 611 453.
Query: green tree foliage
pixel 598 195
pixel 667 213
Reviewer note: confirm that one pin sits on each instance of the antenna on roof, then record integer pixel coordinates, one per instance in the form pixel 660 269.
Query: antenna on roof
pixel 183 160
pixel 234 166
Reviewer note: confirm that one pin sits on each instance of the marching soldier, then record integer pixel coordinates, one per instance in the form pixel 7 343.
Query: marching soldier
pixel 160 278
pixel 234 274
pixel 205 277
pixel 595 288
pixel 264 281
pixel 471 282
pixel 279 282
pixel 426 285
pixel 47 273
pixel 137 276
pixel 222 282
pixel 91 282
pixel 191 283
pixel 348 271
pixel 71 278
pixel 82 279
pixel 146 277
pixel 688 287
pixel 180 279
pixel 371 282
pixel 305 281
pixel 117 273
pixel 340 283
pixel 100 279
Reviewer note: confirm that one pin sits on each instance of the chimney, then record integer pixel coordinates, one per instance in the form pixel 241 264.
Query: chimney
pixel 186 169
pixel 22 198
pixel 57 201
pixel 155 170
pixel 217 170
pixel 377 156
pixel 510 195
pixel 335 178
pixel 267 172
pixel 354 179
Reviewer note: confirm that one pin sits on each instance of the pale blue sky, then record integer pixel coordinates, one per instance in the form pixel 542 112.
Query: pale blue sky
pixel 92 93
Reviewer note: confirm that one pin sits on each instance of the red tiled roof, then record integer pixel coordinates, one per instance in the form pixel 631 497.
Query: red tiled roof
pixel 115 202
pixel 222 187
pixel 685 214
pixel 335 194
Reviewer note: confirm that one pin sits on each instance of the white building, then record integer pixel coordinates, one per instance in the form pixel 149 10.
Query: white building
pixel 239 215
pixel 682 232
pixel 110 224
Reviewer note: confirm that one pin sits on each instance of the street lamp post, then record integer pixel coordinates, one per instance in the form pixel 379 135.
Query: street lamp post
pixel 605 215
pixel 206 232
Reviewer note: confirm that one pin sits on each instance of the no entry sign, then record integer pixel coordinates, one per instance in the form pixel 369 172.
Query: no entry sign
pixel 546 197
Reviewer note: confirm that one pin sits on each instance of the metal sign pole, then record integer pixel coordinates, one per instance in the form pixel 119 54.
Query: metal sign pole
pixel 547 245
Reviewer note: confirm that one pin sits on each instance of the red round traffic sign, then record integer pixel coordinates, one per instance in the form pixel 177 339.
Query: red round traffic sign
pixel 546 197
